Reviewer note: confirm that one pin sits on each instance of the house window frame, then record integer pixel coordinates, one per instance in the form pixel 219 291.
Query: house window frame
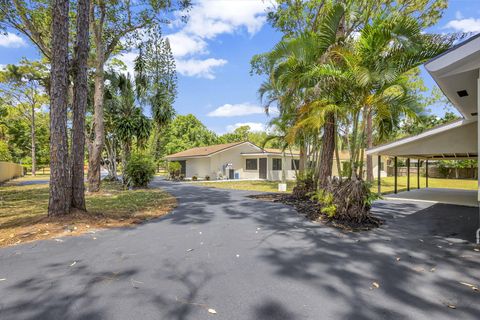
pixel 256 164
pixel 279 163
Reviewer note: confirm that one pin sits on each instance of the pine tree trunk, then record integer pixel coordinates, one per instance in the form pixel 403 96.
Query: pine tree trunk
pixel 32 133
pixel 96 146
pixel 59 200
pixel 80 96
pixel 328 147
pixel 369 145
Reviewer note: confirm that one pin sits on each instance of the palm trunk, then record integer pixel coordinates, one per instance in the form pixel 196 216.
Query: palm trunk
pixel 328 147
pixel 284 169
pixel 59 199
pixel 80 95
pixel 32 134
pixel 369 146
pixel 303 158
pixel 337 155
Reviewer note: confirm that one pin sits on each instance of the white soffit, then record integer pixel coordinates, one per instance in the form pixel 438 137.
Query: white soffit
pixel 454 140
pixel 457 70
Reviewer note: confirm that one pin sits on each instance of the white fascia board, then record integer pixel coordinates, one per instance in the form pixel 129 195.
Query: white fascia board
pixel 426 134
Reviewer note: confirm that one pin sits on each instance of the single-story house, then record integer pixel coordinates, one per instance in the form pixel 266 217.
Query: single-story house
pixel 238 160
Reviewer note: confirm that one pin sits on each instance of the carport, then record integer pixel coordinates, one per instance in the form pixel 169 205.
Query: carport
pixel 457 74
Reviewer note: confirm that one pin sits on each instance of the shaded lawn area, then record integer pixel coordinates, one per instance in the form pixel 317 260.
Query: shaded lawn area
pixel 387 184
pixel 23 210
pixel 253 185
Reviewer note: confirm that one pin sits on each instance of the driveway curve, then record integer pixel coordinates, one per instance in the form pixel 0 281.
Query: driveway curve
pixel 220 251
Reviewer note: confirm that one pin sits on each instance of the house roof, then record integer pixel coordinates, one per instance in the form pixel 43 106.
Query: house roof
pixel 204 151
pixel 456 73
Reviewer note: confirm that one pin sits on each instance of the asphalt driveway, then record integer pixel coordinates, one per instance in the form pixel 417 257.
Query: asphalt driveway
pixel 249 259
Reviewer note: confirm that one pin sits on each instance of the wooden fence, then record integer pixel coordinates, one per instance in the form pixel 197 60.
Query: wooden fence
pixel 10 170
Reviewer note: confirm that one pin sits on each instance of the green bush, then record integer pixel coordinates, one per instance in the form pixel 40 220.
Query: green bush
pixel 4 152
pixel 140 170
pixel 207 178
pixel 194 178
pixel 174 168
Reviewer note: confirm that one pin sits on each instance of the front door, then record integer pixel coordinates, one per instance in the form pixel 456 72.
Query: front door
pixel 231 174
pixel 262 168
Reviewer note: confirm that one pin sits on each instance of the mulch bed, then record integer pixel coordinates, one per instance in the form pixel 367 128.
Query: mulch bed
pixel 311 210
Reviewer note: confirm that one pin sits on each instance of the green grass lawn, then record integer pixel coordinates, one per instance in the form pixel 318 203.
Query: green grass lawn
pixel 264 186
pixel 23 210
pixel 387 184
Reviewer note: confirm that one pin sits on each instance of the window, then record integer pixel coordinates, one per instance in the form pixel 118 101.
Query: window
pixel 295 164
pixel 251 164
pixel 276 164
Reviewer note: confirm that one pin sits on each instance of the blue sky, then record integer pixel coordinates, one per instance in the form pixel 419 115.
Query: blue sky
pixel 213 52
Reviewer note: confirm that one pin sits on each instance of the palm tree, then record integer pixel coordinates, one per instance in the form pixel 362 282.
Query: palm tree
pixel 128 122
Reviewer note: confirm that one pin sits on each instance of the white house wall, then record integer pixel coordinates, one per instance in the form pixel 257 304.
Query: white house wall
pixel 276 175
pixel 198 167
pixel 231 156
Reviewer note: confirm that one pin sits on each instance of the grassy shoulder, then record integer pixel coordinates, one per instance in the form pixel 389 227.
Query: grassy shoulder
pixel 24 203
pixel 387 184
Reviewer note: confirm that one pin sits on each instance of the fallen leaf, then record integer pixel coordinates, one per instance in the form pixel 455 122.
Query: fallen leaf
pixel 188 250
pixel 419 269
pixel 432 270
pixel 478 250
pixel 398 258
pixel 421 240
pixel 471 286
pixel 59 240
pixel 238 256
pixel 94 238
pixel 3 279
pixel 73 263
pixel 212 311
pixel 375 285
pixel 451 306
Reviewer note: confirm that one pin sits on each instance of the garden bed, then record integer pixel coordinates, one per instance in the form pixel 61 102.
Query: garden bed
pixel 311 210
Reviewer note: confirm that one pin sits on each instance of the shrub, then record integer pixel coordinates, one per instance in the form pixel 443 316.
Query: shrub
pixel 304 186
pixel 194 178
pixel 140 170
pixel 174 168
pixel 5 154
pixel 207 178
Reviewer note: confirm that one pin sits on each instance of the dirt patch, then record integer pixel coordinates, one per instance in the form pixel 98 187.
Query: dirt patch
pixel 311 210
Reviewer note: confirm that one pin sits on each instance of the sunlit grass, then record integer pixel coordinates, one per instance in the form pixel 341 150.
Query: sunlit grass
pixel 257 185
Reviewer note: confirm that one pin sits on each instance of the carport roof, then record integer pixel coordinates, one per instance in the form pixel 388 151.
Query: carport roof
pixel 455 140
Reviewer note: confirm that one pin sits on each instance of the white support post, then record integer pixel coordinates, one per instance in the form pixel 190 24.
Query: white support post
pixel 478 150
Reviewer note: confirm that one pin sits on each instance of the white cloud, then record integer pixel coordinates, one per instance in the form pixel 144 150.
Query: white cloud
pixel 211 18
pixel 464 25
pixel 254 126
pixel 199 68
pixel 207 20
pixel 11 40
pixel 183 44
pixel 128 59
pixel 235 110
